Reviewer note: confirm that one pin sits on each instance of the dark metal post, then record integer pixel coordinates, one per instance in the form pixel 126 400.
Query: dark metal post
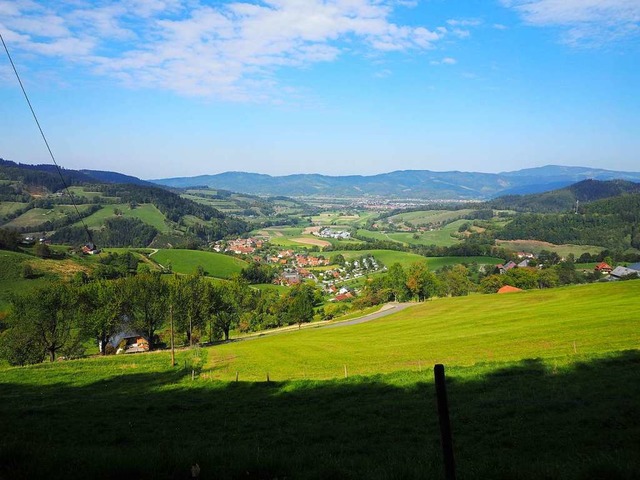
pixel 445 424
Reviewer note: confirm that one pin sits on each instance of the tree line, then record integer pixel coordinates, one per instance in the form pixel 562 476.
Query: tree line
pixel 61 318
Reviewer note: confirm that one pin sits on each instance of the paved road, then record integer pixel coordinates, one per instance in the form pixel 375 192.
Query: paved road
pixel 388 309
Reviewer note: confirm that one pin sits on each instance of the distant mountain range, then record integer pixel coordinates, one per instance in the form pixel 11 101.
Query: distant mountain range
pixel 418 184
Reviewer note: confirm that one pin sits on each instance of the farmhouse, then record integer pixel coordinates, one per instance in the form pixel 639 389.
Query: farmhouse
pixel 603 267
pixel 129 342
pixel 90 249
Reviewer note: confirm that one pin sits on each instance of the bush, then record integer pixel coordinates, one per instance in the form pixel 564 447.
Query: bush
pixel 19 347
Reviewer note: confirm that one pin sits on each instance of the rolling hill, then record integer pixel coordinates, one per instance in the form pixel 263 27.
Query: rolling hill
pixel 423 184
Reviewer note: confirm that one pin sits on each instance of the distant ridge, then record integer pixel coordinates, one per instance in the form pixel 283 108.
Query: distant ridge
pixel 422 184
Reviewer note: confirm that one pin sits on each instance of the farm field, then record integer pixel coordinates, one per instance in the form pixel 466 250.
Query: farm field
pixel 535 246
pixel 12 281
pixel 426 217
pixel 500 328
pixel 389 257
pixel 187 261
pixel 440 237
pixel 38 216
pixel 523 403
pixel 10 207
pixel 147 212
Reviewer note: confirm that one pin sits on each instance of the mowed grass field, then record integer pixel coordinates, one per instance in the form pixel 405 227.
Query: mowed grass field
pixel 11 268
pixel 187 261
pixel 38 216
pixel 535 246
pixel 425 217
pixel 147 212
pixel 389 257
pixel 454 331
pixel 441 237
pixel 523 403
pixel 10 207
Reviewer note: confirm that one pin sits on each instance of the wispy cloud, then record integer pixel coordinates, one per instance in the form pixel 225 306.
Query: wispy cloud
pixel 444 61
pixel 230 50
pixel 586 22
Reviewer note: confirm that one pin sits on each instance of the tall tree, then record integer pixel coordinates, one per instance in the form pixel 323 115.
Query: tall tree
pixel 48 315
pixel 149 303
pixel 108 306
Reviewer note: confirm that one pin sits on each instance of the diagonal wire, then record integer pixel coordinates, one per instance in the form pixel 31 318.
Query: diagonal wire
pixel 35 117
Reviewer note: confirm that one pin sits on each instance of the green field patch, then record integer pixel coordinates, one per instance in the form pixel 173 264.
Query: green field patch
pixel 187 262
pixel 531 377
pixel 38 216
pixel 80 192
pixel 45 270
pixel 387 257
pixel 535 247
pixel 454 331
pixel 146 212
pixel 426 217
pixel 441 237
pixel 7 208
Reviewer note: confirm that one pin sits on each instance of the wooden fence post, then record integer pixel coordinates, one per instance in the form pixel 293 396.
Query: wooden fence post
pixel 445 424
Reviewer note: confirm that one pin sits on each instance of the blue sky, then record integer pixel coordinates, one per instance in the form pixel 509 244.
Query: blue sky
pixel 160 88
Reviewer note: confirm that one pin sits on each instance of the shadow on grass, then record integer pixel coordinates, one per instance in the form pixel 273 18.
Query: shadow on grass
pixel 523 421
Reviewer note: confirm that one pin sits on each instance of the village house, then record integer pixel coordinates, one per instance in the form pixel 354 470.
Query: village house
pixel 603 267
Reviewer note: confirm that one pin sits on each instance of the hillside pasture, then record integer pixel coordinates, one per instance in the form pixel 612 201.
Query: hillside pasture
pixel 524 402
pixel 535 247
pixel 440 237
pixel 455 331
pixel 11 268
pixel 426 217
pixel 7 208
pixel 37 216
pixel 187 261
pixel 146 212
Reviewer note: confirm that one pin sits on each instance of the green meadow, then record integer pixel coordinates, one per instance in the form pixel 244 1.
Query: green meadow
pixel 426 217
pixel 454 331
pixel 526 402
pixel 147 212
pixel 187 262
pixel 389 257
pixel 10 207
pixel 442 237
pixel 38 216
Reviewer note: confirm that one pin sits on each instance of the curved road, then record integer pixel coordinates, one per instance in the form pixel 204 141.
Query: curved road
pixel 388 309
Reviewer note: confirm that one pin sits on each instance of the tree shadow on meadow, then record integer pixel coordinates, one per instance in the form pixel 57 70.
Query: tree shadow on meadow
pixel 524 421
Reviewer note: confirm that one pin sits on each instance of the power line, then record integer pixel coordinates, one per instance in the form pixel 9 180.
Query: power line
pixel 35 117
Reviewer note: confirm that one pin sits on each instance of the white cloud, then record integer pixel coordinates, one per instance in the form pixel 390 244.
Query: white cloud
pixel 585 21
pixel 444 61
pixel 473 22
pixel 232 50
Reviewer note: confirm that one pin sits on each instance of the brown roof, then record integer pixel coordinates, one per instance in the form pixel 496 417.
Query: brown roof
pixel 509 289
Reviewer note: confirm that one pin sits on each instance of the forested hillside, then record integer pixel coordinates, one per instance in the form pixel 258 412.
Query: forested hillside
pixel 34 201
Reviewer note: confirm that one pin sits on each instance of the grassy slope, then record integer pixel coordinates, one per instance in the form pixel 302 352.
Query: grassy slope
pixel 148 213
pixel 389 257
pixel 536 247
pixel 11 265
pixel 10 207
pixel 441 237
pixel 425 217
pixel 455 331
pixel 187 261
pixel 573 416
pixel 37 216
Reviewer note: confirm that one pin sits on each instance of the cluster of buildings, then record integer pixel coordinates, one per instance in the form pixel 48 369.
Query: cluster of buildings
pixel 239 246
pixel 330 233
pixel 619 272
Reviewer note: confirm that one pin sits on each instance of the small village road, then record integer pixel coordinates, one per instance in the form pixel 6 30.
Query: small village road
pixel 388 309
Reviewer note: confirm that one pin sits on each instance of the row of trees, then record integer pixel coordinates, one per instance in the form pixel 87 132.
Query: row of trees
pixel 60 318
